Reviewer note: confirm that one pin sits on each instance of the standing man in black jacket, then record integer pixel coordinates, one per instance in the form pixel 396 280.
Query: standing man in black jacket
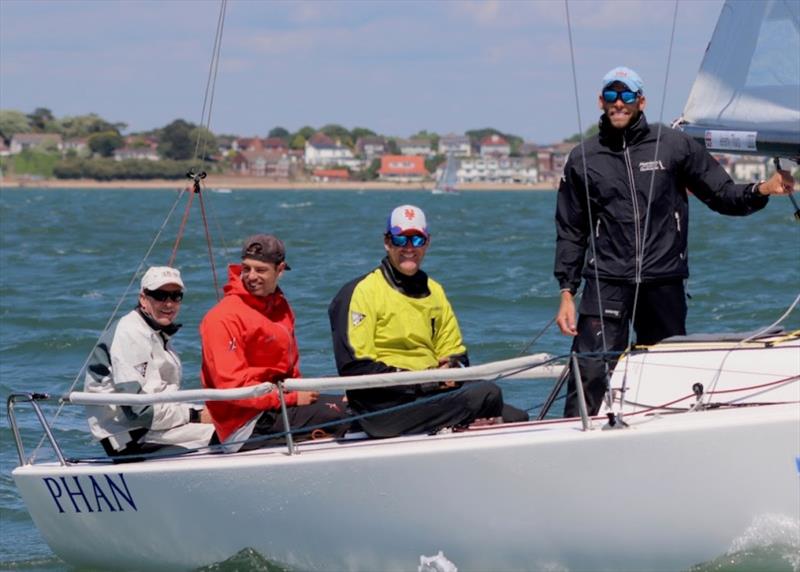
pixel 622 222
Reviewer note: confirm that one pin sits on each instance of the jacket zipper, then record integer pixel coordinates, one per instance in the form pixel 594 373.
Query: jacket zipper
pixel 637 235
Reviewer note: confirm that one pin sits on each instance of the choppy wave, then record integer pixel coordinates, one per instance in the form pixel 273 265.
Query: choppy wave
pixel 302 205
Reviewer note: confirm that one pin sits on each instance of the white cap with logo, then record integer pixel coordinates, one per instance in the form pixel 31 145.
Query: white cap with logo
pixel 407 219
pixel 158 276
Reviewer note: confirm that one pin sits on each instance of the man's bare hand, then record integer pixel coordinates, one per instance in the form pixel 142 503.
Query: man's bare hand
pixel 205 416
pixel 565 318
pixel 780 183
pixel 307 397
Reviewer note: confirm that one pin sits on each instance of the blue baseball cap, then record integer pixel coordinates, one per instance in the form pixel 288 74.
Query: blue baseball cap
pixel 623 75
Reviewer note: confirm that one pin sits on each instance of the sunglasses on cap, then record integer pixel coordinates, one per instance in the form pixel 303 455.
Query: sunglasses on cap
pixel 401 240
pixel 162 295
pixel 612 95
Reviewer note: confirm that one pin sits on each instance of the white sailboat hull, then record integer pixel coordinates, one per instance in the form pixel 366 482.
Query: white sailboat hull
pixel 666 493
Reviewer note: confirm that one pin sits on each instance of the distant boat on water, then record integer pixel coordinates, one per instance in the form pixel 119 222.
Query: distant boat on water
pixel 222 191
pixel 446 183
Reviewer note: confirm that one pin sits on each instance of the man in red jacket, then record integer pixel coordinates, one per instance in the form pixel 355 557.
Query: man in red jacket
pixel 248 338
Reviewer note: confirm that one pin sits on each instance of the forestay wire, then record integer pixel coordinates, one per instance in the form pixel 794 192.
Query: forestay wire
pixel 208 101
pixel 136 275
pixel 586 187
pixel 211 81
pixel 197 175
pixel 639 262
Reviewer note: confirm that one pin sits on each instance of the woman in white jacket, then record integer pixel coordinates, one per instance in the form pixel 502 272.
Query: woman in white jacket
pixel 135 356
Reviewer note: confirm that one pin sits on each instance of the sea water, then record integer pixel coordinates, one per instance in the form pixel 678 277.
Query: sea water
pixel 68 256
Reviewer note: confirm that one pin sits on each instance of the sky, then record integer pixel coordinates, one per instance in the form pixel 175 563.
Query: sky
pixel 396 67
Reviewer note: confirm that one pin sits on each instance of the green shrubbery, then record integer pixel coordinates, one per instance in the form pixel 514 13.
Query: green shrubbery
pixel 138 169
pixel 30 162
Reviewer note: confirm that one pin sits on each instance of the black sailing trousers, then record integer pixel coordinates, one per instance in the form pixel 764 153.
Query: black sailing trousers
pixel 661 313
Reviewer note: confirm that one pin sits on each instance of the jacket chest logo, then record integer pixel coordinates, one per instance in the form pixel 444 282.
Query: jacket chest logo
pixel 646 166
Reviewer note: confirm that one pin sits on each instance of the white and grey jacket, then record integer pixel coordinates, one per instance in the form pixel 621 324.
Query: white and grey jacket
pixel 133 357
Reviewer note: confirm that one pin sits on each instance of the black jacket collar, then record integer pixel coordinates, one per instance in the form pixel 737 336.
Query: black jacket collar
pixel 413 286
pixel 169 330
pixel 613 138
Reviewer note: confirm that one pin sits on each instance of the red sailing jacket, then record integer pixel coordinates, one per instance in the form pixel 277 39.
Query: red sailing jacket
pixel 247 340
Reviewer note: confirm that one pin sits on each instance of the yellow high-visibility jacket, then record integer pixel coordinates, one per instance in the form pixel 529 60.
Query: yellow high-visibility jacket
pixel 384 321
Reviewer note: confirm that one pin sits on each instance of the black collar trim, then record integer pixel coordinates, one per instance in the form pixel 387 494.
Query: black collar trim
pixel 412 286
pixel 169 330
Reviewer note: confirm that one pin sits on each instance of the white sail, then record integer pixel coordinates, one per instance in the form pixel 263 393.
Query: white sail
pixel 446 183
pixel 746 97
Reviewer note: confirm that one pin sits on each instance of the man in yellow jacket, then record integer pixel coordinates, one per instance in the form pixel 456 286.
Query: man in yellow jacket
pixel 397 318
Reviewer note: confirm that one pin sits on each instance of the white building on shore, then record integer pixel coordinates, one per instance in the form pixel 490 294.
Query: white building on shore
pixel 498 170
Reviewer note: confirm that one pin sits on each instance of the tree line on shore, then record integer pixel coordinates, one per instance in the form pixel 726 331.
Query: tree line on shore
pixel 179 144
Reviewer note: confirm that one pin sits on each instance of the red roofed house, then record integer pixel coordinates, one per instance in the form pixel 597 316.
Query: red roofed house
pixel 248 144
pixel 274 144
pixel 330 175
pixel 403 168
pixel 495 146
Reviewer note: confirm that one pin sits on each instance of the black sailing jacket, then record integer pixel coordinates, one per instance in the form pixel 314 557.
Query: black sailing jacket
pixel 620 166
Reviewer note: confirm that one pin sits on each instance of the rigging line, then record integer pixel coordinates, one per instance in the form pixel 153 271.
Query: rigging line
pixel 208 97
pixel 643 248
pixel 588 201
pixel 218 48
pixel 206 120
pixel 181 230
pixel 208 243
pixel 537 336
pixel 135 275
pixel 783 316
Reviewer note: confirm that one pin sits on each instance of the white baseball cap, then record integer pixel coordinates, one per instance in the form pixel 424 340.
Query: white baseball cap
pixel 158 276
pixel 407 219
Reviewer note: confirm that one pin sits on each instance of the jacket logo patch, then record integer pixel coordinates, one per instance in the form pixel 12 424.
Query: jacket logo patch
pixel 611 313
pixel 232 345
pixel 357 317
pixel 141 368
pixel 646 166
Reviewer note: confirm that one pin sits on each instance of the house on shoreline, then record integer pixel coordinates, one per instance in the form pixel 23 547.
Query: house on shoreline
pixel 403 169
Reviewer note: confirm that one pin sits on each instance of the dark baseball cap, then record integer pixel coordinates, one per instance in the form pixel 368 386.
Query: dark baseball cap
pixel 266 248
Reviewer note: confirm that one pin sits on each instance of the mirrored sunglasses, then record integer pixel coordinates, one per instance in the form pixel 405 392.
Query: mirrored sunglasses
pixel 612 95
pixel 416 240
pixel 162 295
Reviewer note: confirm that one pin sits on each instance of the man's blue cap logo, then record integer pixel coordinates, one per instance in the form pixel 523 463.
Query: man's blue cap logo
pixel 623 75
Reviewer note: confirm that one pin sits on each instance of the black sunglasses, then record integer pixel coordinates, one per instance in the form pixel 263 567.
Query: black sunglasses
pixel 162 295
